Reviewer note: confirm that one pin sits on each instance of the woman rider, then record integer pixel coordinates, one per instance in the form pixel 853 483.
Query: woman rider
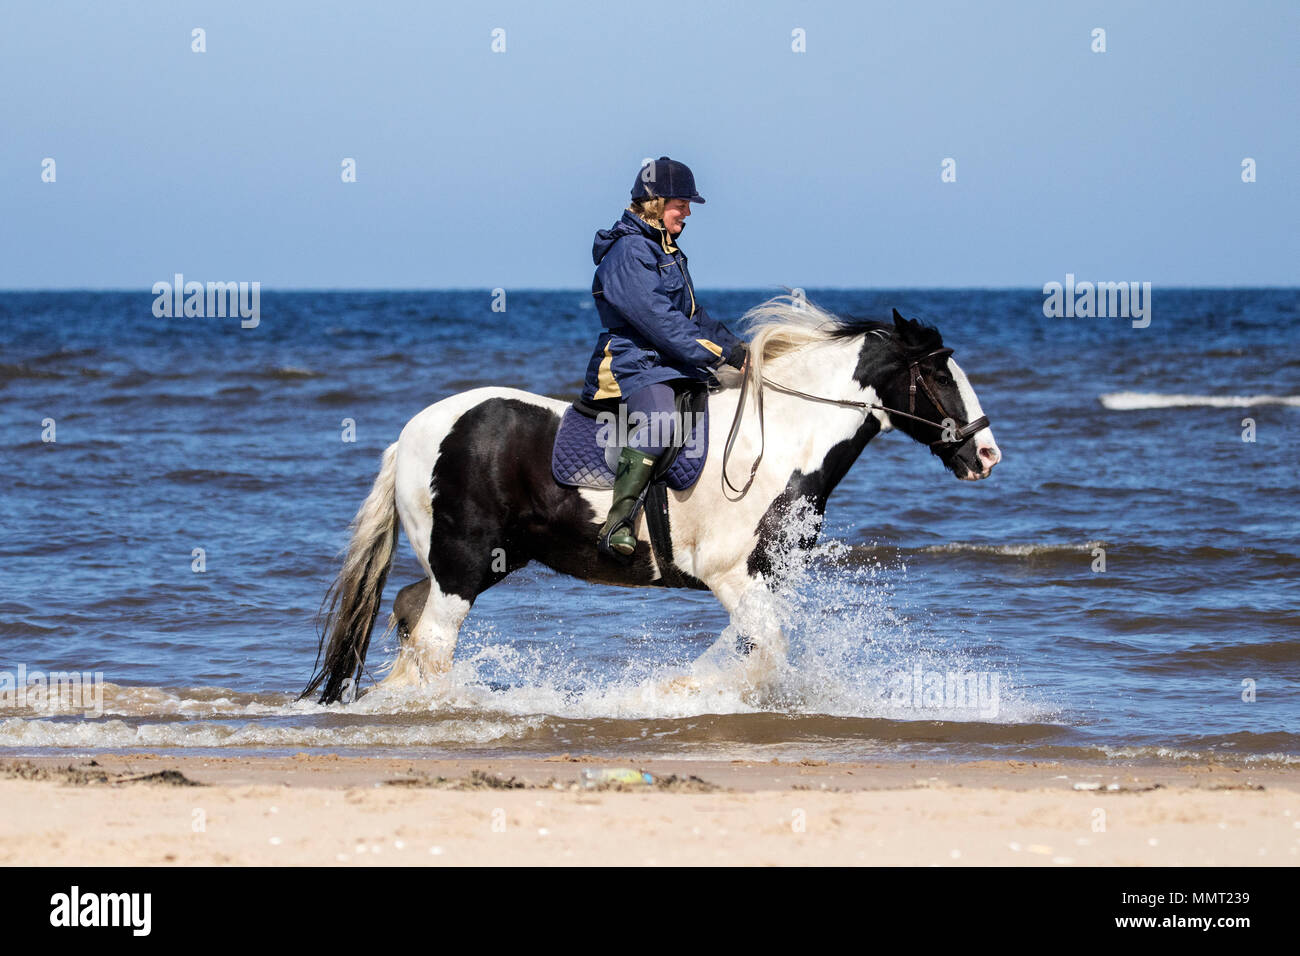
pixel 655 335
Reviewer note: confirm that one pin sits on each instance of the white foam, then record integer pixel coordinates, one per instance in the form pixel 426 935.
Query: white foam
pixel 117 734
pixel 1133 401
pixel 1010 550
pixel 1170 753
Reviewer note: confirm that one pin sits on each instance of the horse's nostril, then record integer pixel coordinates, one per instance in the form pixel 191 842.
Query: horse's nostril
pixel 989 454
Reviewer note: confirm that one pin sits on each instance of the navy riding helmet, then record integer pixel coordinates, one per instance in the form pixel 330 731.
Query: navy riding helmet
pixel 667 179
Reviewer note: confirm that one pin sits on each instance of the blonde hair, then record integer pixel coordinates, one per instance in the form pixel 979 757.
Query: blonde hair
pixel 651 209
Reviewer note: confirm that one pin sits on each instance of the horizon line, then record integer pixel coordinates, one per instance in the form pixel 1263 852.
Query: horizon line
pixel 585 291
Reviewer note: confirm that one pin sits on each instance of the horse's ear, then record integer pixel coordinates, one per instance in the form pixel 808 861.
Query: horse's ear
pixel 906 328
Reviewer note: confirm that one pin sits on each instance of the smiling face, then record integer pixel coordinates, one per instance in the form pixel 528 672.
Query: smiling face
pixel 675 213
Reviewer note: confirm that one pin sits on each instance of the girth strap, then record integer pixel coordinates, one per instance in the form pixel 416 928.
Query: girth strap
pixel 661 540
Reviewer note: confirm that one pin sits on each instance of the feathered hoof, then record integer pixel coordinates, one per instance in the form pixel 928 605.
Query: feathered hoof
pixel 410 670
pixel 682 686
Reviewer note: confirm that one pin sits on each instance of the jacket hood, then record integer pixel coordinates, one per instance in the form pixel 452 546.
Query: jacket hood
pixel 629 225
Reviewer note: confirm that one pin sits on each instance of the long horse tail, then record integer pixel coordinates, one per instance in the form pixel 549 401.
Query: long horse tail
pixel 351 604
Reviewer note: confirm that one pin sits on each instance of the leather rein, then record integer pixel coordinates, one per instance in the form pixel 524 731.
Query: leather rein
pixel 916 379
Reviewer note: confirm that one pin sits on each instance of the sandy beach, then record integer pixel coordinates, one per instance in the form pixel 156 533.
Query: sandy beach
pixel 313 809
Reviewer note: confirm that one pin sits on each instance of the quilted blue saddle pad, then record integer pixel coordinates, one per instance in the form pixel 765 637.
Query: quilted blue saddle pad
pixel 578 460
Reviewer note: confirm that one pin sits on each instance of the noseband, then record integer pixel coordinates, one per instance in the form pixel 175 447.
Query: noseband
pixel 915 379
pixel 914 372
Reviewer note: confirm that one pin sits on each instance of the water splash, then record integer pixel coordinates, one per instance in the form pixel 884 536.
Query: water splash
pixel 822 635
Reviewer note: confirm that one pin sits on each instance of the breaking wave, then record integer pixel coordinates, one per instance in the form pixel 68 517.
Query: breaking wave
pixel 1134 401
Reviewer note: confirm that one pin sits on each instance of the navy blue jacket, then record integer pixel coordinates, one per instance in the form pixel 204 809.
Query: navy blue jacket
pixel 654 330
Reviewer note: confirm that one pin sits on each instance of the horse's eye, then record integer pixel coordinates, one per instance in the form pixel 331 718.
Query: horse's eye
pixel 943 379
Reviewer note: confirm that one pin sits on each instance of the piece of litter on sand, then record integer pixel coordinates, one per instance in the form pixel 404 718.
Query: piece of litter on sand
pixel 615 777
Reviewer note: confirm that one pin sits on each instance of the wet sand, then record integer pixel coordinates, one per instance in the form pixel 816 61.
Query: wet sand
pixel 147 809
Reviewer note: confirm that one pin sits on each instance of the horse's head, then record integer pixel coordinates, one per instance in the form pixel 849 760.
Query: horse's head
pixel 901 373
pixel 927 394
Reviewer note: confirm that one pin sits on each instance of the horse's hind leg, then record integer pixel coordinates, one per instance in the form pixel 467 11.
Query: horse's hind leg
pixel 462 562
pixel 430 640
pixel 432 611
pixel 459 492
pixel 407 608
pixel 427 615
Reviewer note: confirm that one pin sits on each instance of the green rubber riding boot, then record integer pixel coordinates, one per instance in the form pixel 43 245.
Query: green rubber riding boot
pixel 632 476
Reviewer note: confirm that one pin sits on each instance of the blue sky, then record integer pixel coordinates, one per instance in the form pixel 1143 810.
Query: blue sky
pixel 482 169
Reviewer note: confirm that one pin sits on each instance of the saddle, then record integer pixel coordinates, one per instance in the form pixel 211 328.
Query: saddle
pixel 581 456
pixel 579 460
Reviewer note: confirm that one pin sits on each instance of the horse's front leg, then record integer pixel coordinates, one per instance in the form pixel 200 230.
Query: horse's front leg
pixel 755 630
pixel 752 650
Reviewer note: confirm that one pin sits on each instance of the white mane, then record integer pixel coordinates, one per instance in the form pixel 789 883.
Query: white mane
pixel 785 324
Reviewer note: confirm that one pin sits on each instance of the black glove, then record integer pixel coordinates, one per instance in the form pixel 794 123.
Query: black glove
pixel 739 352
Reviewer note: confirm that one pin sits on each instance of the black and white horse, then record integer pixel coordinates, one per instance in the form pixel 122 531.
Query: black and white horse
pixel 469 479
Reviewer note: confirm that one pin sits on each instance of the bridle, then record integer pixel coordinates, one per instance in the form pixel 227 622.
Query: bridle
pixel 914 372
pixel 915 379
